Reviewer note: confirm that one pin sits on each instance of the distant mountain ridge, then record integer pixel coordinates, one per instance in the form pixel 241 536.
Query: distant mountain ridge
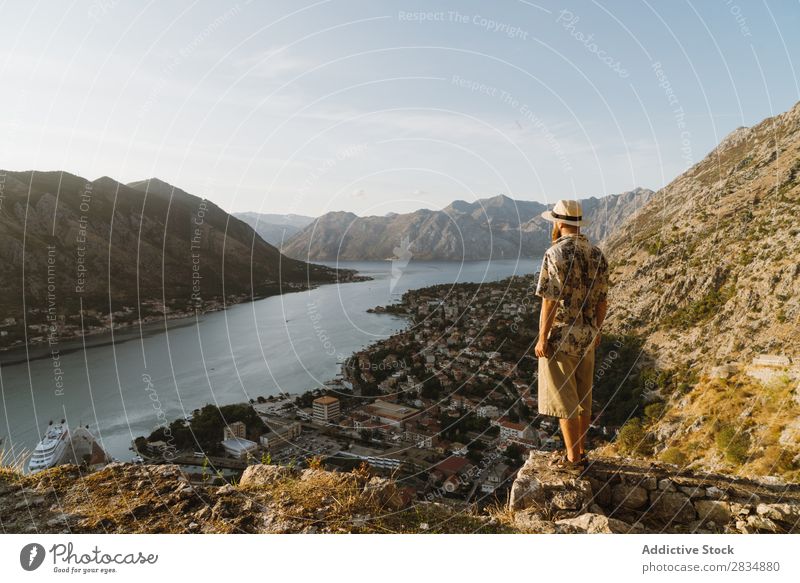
pixel 275 229
pixel 492 228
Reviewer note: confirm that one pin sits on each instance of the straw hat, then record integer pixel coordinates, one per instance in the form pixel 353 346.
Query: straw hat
pixel 568 212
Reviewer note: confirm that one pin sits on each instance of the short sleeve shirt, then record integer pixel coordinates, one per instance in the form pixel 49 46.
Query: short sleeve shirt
pixel 574 274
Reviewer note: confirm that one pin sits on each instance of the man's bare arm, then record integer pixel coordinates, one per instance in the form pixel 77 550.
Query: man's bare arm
pixel 600 316
pixel 546 318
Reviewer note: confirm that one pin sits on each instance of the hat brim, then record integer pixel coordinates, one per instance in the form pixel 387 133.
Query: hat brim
pixel 548 216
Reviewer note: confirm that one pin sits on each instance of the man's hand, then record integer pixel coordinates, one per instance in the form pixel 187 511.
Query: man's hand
pixel 546 317
pixel 542 348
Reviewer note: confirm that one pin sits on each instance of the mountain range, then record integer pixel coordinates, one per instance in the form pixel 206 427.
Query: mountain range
pixel 491 228
pixel 66 240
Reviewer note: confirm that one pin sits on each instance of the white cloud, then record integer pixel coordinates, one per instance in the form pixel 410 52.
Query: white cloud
pixel 274 63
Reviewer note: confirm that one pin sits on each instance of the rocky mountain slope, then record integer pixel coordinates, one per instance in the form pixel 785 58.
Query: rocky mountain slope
pixel 616 495
pixel 492 228
pixel 275 229
pixel 708 271
pixel 64 239
pixel 707 277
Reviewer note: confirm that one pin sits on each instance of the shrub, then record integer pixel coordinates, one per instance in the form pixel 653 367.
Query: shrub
pixel 702 309
pixel 672 455
pixel 632 438
pixel 653 247
pixel 654 411
pixel 734 444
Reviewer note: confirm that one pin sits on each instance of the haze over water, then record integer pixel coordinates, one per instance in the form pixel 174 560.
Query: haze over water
pixel 290 343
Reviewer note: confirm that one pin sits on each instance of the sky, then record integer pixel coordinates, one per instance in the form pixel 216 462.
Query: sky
pixel 376 106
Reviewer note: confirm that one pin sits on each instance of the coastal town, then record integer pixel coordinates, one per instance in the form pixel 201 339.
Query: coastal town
pixel 445 406
pixel 49 326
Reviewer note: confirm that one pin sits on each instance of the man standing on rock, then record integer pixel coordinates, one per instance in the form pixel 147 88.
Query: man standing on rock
pixel 573 284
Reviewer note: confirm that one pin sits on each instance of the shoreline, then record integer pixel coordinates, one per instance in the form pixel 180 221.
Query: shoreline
pixel 106 337
pixel 41 350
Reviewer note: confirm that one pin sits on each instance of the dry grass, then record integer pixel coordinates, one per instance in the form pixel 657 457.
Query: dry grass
pixel 11 466
pixel 339 502
pixel 743 405
pixel 157 499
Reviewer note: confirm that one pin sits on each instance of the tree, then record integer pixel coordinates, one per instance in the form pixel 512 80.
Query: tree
pixel 514 454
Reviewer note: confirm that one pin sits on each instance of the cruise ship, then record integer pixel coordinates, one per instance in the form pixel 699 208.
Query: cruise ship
pixel 49 451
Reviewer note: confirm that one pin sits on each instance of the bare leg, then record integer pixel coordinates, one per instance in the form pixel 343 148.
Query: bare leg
pixel 586 419
pixel 570 429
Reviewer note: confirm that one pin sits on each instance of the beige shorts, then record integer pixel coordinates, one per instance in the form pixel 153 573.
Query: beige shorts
pixel 565 384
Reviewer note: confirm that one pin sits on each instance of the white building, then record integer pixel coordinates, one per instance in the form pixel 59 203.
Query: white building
pixel 326 409
pixel 239 447
pixel 512 430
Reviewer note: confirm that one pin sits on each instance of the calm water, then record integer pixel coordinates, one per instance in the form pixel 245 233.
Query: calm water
pixel 286 343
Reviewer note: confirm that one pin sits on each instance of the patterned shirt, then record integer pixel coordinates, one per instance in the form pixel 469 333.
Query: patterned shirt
pixel 574 274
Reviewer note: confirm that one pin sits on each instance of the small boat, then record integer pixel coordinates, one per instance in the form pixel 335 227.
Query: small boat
pixel 49 451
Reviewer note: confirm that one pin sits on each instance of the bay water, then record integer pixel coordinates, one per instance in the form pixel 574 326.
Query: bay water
pixel 127 384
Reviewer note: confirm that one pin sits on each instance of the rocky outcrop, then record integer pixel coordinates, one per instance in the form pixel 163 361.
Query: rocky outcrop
pixel 614 496
pixel 129 498
pixel 620 495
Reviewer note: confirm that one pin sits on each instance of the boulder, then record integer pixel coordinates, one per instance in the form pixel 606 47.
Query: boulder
pixel 693 491
pixel 715 511
pixel 738 509
pixel 567 499
pixel 628 496
pixel 263 474
pixel 787 514
pixel 601 490
pixel 649 483
pixel 526 491
pixel 672 507
pixel 757 523
pixel 551 491
pixel 666 485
